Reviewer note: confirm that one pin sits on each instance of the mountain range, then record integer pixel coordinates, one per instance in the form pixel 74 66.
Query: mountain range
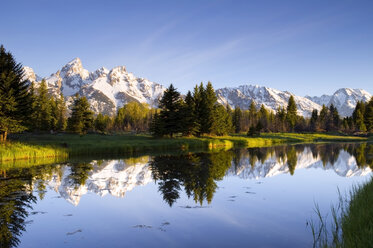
pixel 107 90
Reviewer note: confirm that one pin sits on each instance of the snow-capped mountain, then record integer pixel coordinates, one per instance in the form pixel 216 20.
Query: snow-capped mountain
pixel 344 99
pixel 272 99
pixel 106 90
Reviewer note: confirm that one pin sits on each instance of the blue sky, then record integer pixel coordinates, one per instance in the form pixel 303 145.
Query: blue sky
pixel 306 47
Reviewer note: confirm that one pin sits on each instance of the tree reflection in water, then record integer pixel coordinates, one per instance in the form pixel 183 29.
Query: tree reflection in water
pixel 197 173
pixel 194 173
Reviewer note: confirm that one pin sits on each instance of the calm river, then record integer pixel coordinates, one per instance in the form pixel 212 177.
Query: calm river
pixel 261 197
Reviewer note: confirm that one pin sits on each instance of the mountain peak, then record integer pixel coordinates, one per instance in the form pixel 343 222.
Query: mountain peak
pixel 106 90
pixel 75 61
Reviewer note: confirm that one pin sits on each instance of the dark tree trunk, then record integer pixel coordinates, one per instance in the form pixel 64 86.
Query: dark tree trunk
pixel 3 136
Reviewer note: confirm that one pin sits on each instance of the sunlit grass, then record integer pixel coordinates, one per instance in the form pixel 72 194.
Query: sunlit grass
pixel 18 150
pixel 28 146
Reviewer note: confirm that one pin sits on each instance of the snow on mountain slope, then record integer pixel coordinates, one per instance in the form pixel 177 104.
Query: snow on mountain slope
pixel 344 99
pixel 271 98
pixel 106 90
pixel 30 75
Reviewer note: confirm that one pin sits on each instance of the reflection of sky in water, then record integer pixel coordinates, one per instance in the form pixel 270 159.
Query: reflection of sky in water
pixel 266 209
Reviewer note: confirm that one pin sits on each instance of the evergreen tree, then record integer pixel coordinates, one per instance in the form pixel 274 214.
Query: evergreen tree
pixel 291 113
pixel 264 117
pixel 314 121
pixel 334 120
pixel 189 118
pixel 14 96
pixel 204 100
pixel 31 122
pixel 171 113
pixel 61 113
pixel 360 106
pixel 360 125
pixel 81 118
pixel 222 121
pixel 208 100
pixel 252 114
pixel 156 126
pixel 54 114
pixel 281 120
pixel 43 108
pixel 237 117
pixel 323 117
pixel 368 116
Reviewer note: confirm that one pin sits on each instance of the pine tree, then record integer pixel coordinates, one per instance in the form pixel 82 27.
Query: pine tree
pixel 314 121
pixel 15 103
pixel 291 113
pixel 204 111
pixel 368 116
pixel 31 123
pixel 171 112
pixel 334 118
pixel 204 100
pixel 360 125
pixel 62 112
pixel 81 119
pixel 43 108
pixel 281 120
pixel 156 126
pixel 54 114
pixel 237 117
pixel 252 114
pixel 222 121
pixel 189 119
pixel 264 117
pixel 324 113
pixel 360 106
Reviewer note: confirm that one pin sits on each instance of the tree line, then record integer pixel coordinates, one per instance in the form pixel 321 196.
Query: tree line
pixel 199 113
pixel 23 106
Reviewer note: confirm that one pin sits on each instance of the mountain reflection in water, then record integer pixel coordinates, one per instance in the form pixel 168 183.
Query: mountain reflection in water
pixel 196 174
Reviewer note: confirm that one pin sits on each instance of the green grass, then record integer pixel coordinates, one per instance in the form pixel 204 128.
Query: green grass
pixel 357 222
pixel 27 146
pixel 18 150
pixel 352 221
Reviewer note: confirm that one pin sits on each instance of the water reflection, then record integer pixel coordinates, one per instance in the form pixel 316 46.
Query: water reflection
pixel 196 174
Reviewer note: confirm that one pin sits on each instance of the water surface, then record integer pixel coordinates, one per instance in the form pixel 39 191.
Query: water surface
pixel 258 197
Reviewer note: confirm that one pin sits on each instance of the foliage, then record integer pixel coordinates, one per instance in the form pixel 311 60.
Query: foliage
pixel 14 96
pixel 291 113
pixel 133 116
pixel 351 224
pixel 81 119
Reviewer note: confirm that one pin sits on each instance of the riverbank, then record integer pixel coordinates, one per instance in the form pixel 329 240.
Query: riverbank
pixel 30 146
pixel 357 222
pixel 351 222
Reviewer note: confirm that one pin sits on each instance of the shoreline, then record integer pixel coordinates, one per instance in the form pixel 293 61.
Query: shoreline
pixel 38 146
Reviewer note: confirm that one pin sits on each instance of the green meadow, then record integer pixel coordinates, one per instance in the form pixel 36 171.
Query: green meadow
pixel 31 146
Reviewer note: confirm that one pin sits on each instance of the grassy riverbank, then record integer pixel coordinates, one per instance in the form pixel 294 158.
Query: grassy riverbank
pixel 357 222
pixel 27 146
pixel 351 221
